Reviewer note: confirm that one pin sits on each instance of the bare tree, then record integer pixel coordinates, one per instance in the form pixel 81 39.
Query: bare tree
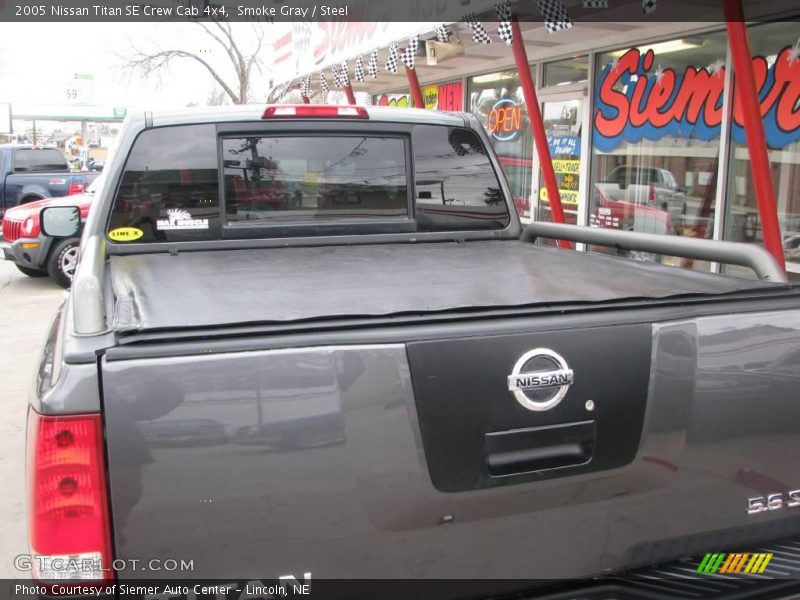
pixel 216 97
pixel 243 61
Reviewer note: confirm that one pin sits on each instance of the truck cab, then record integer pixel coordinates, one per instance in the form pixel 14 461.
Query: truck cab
pixel 29 173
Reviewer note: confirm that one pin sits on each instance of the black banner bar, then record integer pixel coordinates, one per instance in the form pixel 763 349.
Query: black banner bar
pixel 433 11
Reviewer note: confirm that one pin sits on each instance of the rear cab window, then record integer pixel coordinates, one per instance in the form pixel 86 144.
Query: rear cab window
pixel 32 160
pixel 169 190
pixel 191 183
pixel 457 188
pixel 284 178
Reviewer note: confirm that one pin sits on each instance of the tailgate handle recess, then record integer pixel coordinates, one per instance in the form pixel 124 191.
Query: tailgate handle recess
pixel 539 448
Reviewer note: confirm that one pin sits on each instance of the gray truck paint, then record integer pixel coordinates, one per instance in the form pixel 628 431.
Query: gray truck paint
pixel 361 502
pixel 278 452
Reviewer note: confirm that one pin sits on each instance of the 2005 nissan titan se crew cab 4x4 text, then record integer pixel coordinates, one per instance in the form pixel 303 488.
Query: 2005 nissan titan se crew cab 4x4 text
pixel 317 339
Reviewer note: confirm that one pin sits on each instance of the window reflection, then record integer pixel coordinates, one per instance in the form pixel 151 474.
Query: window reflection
pixel 773 47
pixel 169 190
pixel 286 178
pixel 656 139
pixel 456 186
pixel 567 71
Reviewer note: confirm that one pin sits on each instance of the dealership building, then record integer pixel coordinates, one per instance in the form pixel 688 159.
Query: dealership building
pixel 644 131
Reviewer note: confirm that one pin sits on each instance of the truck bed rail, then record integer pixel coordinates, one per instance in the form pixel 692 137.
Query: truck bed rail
pixel 733 253
pixel 88 300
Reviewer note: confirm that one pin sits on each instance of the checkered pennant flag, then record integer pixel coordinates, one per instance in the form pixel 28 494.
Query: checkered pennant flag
pixel 344 76
pixel 323 83
pixel 284 89
pixel 555 15
pixel 503 10
pixel 479 33
pixel 394 55
pixel 649 6
pixel 409 55
pixel 595 3
pixel 337 79
pixel 372 64
pixel 305 87
pixel 359 68
pixel 443 33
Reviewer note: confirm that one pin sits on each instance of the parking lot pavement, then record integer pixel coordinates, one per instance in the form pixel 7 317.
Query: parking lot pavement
pixel 27 306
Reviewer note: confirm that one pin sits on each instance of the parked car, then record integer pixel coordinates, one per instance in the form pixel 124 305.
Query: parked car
pixel 420 395
pixel 96 166
pixel 30 173
pixel 791 246
pixel 646 186
pixel 629 216
pixel 38 255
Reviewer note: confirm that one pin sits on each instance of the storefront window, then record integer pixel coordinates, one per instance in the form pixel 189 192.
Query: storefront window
pixel 656 138
pixel 566 72
pixel 394 100
pixel 497 100
pixel 437 96
pixel 776 64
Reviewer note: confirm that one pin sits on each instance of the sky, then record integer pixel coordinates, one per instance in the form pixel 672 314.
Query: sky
pixel 38 61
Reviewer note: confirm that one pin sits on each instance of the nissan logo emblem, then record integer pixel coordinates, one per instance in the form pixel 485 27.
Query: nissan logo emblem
pixel 540 379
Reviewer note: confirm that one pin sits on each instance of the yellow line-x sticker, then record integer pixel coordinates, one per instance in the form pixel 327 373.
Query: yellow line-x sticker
pixel 125 234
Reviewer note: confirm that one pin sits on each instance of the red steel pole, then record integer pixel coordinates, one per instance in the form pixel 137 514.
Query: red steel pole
pixel 413 84
pixel 747 95
pixel 351 97
pixel 306 99
pixel 537 126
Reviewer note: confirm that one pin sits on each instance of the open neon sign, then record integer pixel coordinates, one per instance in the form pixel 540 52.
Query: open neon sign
pixel 505 120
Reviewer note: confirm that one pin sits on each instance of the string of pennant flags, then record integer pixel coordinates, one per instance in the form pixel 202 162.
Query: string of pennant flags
pixel 553 12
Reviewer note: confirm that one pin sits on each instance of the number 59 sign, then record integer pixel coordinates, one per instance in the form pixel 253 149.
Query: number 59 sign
pixel 79 89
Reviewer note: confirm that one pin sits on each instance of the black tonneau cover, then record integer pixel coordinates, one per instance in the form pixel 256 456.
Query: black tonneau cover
pixel 280 285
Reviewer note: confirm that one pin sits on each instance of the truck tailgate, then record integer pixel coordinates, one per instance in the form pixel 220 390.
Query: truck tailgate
pixel 397 459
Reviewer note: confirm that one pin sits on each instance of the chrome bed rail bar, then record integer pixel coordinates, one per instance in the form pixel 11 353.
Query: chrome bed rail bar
pixel 733 253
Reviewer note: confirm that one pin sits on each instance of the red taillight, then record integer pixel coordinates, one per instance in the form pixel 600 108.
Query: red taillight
pixel 315 110
pixel 651 198
pixel 76 188
pixel 69 524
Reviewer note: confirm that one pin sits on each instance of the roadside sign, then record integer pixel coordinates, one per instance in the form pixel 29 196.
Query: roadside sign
pixel 79 89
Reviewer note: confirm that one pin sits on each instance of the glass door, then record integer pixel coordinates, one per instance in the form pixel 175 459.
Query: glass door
pixel 563 117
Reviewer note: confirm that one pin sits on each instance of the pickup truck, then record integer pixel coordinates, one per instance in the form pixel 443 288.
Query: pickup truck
pixel 281 357
pixel 648 186
pixel 30 173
